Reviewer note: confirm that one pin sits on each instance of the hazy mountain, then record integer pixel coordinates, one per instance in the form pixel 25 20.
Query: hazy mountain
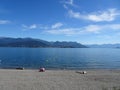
pixel 30 42
pixel 104 46
pixel 68 44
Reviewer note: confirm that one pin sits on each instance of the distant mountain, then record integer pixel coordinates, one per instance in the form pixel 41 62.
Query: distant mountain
pixel 104 46
pixel 30 42
pixel 67 44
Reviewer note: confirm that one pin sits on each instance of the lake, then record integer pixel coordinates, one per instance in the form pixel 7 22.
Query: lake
pixel 60 58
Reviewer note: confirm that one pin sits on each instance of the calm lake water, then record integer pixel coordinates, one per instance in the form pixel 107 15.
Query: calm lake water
pixel 60 58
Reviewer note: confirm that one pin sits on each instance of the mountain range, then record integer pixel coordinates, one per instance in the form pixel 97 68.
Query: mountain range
pixel 104 46
pixel 31 42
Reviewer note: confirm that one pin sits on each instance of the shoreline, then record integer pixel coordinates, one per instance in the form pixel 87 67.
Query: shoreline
pixel 15 68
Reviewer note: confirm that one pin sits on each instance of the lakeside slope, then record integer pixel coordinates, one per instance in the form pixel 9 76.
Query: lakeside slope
pixel 59 80
pixel 31 42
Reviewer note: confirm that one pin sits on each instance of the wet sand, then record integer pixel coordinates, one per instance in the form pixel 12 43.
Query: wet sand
pixel 59 80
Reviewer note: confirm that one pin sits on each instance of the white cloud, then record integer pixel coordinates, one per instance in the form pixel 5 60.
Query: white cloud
pixel 90 29
pixel 65 31
pixel 108 15
pixel 4 21
pixel 34 26
pixel 114 26
pixel 42 27
pixel 70 2
pixel 31 27
pixel 67 3
pixel 65 6
pixel 100 28
pixel 56 25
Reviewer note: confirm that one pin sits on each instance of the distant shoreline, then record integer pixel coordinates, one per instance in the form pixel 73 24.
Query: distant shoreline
pixel 15 68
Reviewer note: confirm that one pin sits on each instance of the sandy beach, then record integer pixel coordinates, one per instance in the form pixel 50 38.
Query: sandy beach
pixel 59 80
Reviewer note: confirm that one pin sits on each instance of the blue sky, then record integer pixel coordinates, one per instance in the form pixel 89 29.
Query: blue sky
pixel 84 21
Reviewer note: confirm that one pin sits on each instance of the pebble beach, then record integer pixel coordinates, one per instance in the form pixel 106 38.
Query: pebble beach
pixel 11 79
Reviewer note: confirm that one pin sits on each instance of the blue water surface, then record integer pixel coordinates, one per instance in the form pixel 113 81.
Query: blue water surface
pixel 60 58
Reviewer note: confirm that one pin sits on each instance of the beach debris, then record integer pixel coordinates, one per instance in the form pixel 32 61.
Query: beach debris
pixel 20 68
pixel 81 72
pixel 42 70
